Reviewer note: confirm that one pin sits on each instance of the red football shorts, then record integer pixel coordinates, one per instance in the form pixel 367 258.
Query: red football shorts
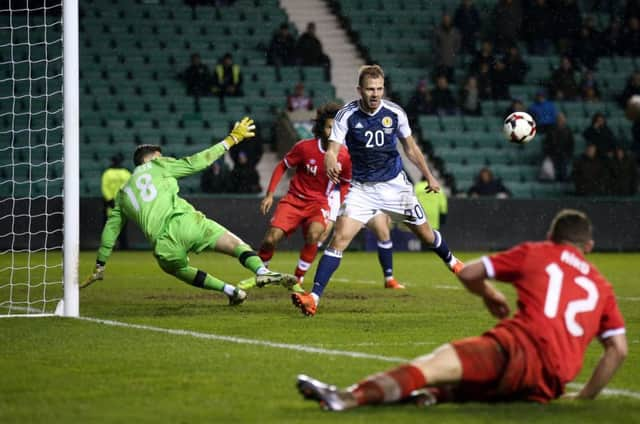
pixel 293 212
pixel 498 366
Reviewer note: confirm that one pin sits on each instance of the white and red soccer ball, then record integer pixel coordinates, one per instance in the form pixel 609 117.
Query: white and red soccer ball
pixel 519 128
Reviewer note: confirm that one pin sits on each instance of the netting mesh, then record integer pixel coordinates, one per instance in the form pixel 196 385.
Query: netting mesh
pixel 31 156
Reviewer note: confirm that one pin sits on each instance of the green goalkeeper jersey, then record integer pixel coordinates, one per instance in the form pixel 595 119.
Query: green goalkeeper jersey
pixel 150 197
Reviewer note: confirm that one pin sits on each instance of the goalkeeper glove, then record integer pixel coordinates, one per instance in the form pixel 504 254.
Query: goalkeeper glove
pixel 241 130
pixel 98 274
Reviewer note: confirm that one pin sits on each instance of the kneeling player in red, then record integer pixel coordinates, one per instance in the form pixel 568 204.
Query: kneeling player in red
pixel 563 304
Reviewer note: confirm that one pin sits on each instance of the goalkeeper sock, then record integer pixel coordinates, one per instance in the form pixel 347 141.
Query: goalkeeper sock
pixel 198 278
pixel 249 259
pixel 390 386
pixel 385 257
pixel 326 267
pixel 307 255
pixel 441 248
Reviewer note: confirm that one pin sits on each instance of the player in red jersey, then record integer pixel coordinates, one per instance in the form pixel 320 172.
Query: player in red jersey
pixel 563 303
pixel 306 203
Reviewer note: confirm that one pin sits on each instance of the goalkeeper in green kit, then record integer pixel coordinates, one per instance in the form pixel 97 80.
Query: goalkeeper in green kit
pixel 172 226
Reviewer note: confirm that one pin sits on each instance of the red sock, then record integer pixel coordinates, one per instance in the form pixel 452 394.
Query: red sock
pixel 307 255
pixel 266 254
pixel 389 386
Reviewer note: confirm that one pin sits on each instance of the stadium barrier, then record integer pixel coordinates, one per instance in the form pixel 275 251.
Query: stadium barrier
pixel 472 224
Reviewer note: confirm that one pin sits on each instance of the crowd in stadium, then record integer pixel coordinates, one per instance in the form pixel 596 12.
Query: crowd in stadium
pixel 497 62
pixel 541 27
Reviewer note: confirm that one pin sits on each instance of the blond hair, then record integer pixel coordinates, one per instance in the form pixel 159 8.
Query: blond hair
pixel 369 71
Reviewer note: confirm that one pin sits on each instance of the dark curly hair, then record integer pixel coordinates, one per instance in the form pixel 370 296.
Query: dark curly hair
pixel 324 112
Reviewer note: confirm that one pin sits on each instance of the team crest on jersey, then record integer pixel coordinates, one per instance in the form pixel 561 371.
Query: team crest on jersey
pixel 387 122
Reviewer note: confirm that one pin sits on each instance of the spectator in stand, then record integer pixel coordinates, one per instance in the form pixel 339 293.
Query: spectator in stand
pixel 631 9
pixel 587 47
pixel 282 48
pixel 536 31
pixel 566 20
pixel 632 88
pixel 228 77
pixel 500 80
pixel 507 20
pixel 563 82
pixel 444 102
pixel 216 178
pixel 470 97
pixel 467 19
pixel 197 77
pixel 544 111
pixel 517 68
pixel 309 50
pixel 244 176
pixel 635 139
pixel 515 106
pixel 299 100
pixel 624 173
pixel 446 46
pixel 632 112
pixel 558 146
pixel 484 56
pixel 589 90
pixel 630 42
pixel 612 38
pixel 488 185
pixel 590 175
pixel 600 135
pixel 420 102
pixel 484 82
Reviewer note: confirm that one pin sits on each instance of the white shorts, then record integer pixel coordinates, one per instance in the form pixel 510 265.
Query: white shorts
pixel 334 204
pixel 395 197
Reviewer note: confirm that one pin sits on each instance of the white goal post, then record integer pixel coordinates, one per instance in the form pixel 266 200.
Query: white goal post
pixel 39 158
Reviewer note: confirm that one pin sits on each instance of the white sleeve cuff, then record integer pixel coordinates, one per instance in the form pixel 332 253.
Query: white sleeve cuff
pixel 612 332
pixel 488 267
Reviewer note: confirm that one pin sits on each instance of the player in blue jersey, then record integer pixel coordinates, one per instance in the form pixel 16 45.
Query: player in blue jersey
pixel 370 128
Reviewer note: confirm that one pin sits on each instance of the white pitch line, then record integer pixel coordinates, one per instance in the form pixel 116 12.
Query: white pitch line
pixel 447 287
pixel 298 348
pixel 242 340
pixel 610 392
pixel 630 299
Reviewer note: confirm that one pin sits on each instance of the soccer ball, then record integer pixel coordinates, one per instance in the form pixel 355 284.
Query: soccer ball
pixel 519 128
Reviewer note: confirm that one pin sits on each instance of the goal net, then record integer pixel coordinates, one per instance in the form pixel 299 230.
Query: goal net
pixel 35 139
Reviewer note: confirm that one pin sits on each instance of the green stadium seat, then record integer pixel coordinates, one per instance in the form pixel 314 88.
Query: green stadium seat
pixel 475 123
pixel 452 123
pixel 429 124
pixel 520 189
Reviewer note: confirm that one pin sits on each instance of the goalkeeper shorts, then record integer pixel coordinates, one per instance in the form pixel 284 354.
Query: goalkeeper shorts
pixel 192 232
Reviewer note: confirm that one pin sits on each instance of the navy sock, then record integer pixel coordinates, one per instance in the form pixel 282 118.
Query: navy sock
pixel 385 256
pixel 441 248
pixel 326 267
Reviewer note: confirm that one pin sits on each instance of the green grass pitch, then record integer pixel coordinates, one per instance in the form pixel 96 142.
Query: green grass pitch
pixel 218 364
